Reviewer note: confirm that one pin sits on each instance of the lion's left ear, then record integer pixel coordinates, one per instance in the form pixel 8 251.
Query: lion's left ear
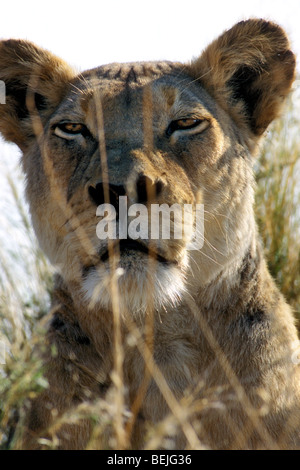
pixel 249 70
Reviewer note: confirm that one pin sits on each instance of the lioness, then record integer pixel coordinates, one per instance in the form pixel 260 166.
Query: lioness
pixel 201 335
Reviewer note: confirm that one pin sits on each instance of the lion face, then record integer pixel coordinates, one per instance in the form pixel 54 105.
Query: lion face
pixel 105 149
pixel 145 140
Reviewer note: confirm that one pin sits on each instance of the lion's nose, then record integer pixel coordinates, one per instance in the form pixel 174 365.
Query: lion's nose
pixel 106 193
pixel 146 189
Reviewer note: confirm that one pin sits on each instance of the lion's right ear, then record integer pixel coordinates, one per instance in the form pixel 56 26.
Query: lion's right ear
pixel 35 81
pixel 249 70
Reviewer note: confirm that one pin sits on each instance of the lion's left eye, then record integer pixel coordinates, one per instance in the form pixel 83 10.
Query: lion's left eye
pixel 69 130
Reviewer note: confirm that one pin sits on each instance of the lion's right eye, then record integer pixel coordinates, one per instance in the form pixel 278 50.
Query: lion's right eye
pixel 70 130
pixel 190 125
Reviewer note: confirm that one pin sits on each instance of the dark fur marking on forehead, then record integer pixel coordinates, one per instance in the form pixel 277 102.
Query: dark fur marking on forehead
pixel 132 76
pixel 132 72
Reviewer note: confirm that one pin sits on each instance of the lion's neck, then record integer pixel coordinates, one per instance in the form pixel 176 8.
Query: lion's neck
pixel 228 240
pixel 234 285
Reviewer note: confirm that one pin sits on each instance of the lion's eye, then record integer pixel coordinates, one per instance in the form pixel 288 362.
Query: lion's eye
pixel 69 130
pixel 72 128
pixel 186 124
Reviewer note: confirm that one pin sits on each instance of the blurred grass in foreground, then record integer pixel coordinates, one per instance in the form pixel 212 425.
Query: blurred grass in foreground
pixel 25 282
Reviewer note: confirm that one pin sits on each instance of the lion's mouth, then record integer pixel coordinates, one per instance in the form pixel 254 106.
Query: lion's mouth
pixel 129 245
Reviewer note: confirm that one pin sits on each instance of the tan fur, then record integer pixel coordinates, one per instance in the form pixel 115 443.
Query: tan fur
pixel 206 328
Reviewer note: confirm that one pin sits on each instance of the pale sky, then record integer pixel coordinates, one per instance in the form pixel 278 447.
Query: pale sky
pixel 88 33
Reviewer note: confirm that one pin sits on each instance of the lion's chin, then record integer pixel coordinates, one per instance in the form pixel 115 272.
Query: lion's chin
pixel 135 287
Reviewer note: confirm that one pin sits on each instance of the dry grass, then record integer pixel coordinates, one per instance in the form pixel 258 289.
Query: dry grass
pixel 278 202
pixel 25 285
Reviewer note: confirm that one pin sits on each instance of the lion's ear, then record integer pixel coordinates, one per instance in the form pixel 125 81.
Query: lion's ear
pixel 249 70
pixel 35 81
